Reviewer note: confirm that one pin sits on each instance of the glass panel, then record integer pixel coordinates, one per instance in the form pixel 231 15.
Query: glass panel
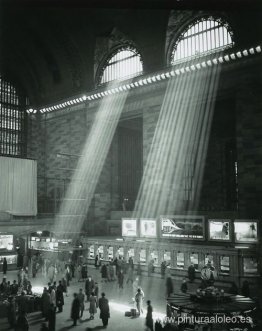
pixel 123 64
pixel 250 265
pixel 224 265
pixel 91 254
pixel 154 257
pixel 180 260
pixel 204 36
pixel 167 256
pixel 100 252
pixel 142 256
pixel 110 253
pixel 209 259
pixel 194 260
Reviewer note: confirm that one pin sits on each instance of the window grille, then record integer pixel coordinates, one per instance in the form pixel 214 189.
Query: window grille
pixel 12 120
pixel 126 63
pixel 203 37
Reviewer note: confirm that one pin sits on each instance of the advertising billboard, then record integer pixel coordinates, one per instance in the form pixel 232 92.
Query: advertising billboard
pixel 219 229
pixel 148 228
pixel 129 227
pixel 246 231
pixel 183 227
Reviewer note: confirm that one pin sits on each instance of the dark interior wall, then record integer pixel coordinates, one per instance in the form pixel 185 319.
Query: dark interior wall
pixel 50 50
pixel 130 164
pixel 219 185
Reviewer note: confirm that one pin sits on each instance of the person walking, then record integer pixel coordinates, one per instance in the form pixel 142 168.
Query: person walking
pixel 104 309
pixel 89 285
pixel 51 317
pixel 81 298
pixel 4 266
pixel 93 305
pixel 75 309
pixel 169 286
pixel 191 273
pixel 59 297
pixel 149 316
pixel 104 273
pixel 120 279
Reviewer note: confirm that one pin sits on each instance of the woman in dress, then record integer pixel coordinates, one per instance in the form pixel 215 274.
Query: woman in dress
pixel 93 305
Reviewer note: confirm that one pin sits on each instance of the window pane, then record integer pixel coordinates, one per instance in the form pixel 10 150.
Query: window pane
pixel 200 39
pixel 124 64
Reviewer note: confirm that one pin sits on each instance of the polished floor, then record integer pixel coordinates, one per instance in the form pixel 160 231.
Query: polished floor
pixel 119 301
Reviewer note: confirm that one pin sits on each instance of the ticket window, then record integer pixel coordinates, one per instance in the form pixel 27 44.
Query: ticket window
pixel 142 256
pixel 120 252
pixel 154 257
pixel 209 259
pixel 100 252
pixel 110 253
pixel 180 260
pixel 130 253
pixel 167 257
pixel 250 266
pixel 224 265
pixel 91 252
pixel 194 260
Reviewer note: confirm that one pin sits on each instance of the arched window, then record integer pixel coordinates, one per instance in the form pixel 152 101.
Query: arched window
pixel 12 120
pixel 205 36
pixel 125 63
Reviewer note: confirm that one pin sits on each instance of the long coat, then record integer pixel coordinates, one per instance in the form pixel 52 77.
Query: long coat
pixel 45 303
pixel 59 296
pixel 4 266
pixel 75 309
pixel 93 305
pixel 104 308
pixel 149 317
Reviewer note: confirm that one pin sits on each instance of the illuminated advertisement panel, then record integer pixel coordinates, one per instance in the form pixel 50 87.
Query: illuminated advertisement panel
pixel 148 228
pixel 183 227
pixel 246 231
pixel 219 229
pixel 129 227
pixel 6 242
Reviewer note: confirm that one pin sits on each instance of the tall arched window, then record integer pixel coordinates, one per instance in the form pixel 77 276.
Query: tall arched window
pixel 125 63
pixel 12 121
pixel 206 36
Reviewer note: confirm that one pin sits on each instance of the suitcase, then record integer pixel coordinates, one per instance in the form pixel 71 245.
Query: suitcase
pixel 133 312
pixel 128 314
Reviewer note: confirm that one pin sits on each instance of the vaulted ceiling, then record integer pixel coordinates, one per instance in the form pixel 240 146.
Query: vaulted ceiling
pixel 48 47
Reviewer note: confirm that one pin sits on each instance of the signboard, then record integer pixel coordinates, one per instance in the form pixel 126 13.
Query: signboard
pixel 6 242
pixel 148 228
pixel 246 231
pixel 129 227
pixel 219 229
pixel 183 227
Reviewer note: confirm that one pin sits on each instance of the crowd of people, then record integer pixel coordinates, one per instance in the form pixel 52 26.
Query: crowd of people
pixel 88 298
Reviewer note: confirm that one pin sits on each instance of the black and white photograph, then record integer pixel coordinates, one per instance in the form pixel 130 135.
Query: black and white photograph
pixel 130 165
pixel 182 227
pixel 219 229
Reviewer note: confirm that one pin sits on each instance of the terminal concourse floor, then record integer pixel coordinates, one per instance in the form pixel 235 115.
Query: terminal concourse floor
pixel 119 302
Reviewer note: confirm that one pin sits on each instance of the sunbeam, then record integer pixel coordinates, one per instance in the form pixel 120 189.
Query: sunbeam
pixel 179 146
pixel 86 175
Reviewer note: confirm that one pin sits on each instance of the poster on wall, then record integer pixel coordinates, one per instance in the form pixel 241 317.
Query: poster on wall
pixel 246 231
pixel 184 227
pixel 148 228
pixel 219 229
pixel 129 227
pixel 6 242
